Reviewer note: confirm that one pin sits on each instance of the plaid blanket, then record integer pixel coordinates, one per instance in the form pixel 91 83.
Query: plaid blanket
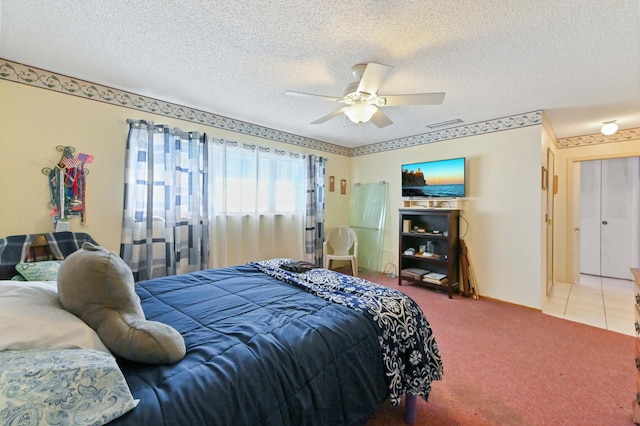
pixel 15 249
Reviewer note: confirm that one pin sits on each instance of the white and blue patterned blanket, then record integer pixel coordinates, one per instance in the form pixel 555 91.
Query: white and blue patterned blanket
pixel 61 387
pixel 409 350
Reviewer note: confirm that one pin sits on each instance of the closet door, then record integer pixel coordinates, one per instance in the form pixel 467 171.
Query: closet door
pixel 590 217
pixel 608 215
pixel 617 217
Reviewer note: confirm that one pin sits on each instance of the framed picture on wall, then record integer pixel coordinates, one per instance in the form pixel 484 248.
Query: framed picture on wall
pixel 332 183
pixel 343 186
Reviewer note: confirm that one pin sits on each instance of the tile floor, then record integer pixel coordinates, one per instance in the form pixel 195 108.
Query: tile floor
pixel 597 301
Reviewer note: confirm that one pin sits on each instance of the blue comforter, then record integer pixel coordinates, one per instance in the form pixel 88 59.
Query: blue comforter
pixel 260 351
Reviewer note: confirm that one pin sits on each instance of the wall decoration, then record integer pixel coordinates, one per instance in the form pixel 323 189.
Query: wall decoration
pixel 67 185
pixel 332 183
pixel 343 186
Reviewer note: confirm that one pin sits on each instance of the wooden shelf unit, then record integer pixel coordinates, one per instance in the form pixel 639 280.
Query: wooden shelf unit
pixel 434 203
pixel 446 245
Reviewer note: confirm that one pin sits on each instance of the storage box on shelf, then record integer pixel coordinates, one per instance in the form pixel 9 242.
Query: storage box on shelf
pixel 429 203
pixel 429 242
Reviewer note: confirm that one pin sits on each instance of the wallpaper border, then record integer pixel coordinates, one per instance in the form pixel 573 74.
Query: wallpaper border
pixel 490 126
pixel 598 138
pixel 37 77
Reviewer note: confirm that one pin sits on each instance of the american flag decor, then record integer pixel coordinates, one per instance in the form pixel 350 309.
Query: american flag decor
pixel 85 158
pixel 70 162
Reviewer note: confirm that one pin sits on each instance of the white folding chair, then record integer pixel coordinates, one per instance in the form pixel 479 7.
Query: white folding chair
pixel 341 244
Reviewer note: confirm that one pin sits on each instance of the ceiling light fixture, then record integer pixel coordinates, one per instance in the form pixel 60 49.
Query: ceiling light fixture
pixel 360 113
pixel 609 128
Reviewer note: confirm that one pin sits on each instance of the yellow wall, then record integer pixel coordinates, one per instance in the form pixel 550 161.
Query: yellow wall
pixel 34 121
pixel 501 225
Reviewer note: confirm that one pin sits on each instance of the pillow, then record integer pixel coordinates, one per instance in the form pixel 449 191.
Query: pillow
pixel 97 285
pixel 32 318
pixel 39 271
pixel 62 386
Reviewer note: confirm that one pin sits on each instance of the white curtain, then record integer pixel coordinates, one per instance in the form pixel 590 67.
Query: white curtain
pixel 256 203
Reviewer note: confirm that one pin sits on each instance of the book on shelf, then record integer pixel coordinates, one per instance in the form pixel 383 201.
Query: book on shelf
pixel 432 281
pixel 415 273
pixel 434 277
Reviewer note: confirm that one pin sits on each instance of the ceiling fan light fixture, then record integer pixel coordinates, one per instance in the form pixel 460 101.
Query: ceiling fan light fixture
pixel 361 101
pixel 609 128
pixel 360 113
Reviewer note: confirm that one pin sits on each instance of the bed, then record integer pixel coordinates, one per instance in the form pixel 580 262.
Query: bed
pixel 274 346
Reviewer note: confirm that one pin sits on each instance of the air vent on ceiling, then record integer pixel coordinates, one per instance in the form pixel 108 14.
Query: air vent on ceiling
pixel 445 124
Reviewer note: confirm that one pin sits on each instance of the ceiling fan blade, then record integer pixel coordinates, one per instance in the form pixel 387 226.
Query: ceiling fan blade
pixel 373 77
pixel 380 119
pixel 329 116
pixel 413 99
pixel 311 95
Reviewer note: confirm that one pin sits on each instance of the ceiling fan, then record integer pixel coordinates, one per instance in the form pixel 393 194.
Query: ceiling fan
pixel 362 100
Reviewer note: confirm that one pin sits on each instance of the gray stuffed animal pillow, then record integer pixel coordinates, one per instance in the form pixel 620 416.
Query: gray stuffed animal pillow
pixel 97 286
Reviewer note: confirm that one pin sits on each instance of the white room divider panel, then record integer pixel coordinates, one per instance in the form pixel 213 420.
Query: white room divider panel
pixel 368 208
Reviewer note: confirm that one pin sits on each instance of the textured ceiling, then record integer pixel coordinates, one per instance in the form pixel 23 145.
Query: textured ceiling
pixel 578 60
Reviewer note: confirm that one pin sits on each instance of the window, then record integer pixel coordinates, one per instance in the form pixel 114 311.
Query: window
pixel 252 181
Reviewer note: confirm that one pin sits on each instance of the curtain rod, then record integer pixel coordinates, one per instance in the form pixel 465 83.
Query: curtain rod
pixel 382 182
pixel 253 147
pixel 161 127
pixel 263 148
pixel 177 130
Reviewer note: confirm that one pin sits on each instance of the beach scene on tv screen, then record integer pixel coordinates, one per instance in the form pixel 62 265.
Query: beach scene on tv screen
pixel 444 178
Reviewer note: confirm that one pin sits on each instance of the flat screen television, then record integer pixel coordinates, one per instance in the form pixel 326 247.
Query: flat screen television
pixel 434 179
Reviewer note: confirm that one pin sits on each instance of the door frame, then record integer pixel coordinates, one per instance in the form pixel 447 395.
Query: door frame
pixel 552 190
pixel 573 212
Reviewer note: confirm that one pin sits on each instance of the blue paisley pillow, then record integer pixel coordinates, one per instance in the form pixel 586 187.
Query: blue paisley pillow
pixel 61 387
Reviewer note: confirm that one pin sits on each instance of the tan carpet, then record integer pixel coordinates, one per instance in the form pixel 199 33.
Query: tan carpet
pixel 510 365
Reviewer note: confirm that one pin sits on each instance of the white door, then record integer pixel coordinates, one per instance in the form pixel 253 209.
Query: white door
pixel 619 182
pixel 608 217
pixel 575 221
pixel 590 189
